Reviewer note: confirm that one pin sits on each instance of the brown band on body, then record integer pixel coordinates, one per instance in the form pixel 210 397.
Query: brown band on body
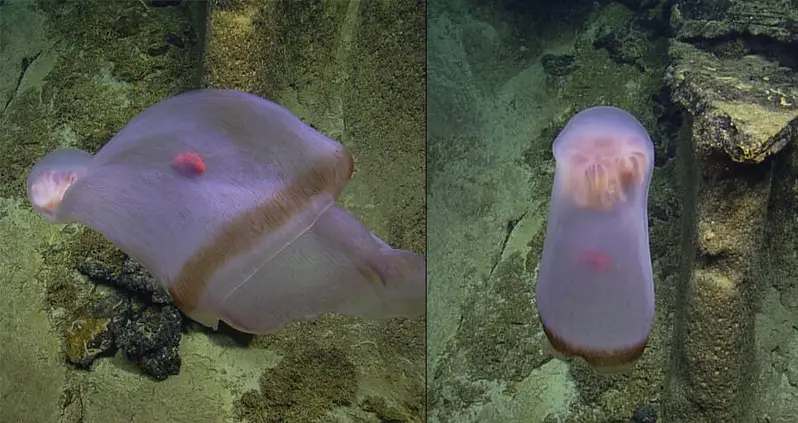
pixel 244 231
pixel 597 358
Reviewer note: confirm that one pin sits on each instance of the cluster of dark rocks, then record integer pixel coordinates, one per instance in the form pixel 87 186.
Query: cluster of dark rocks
pixel 136 318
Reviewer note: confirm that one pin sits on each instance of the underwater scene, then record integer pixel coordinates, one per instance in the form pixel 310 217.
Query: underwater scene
pixel 398 211
pixel 612 205
pixel 212 211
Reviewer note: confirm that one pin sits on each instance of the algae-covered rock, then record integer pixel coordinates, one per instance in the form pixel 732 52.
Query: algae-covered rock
pixel 776 19
pixel 712 371
pixel 86 338
pixel 740 102
pixel 302 388
pixel 624 45
pixel 385 412
pixel 94 328
pixel 745 108
pixel 558 65
pixel 139 320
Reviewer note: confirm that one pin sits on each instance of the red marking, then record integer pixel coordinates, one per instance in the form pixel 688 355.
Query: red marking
pixel 594 259
pixel 188 164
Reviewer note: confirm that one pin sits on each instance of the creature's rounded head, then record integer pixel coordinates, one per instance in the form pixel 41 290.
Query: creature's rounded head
pixel 52 176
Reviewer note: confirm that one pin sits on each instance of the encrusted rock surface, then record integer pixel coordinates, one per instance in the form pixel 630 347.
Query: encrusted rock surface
pixel 775 19
pixel 745 108
pixel 132 277
pixel 138 319
pixel 94 329
pixel 151 339
pixel 739 92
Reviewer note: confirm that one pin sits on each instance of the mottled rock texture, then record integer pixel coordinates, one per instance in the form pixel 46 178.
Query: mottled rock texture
pixel 733 73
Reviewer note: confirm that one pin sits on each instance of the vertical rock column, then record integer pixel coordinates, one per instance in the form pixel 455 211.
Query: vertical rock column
pixel 712 356
pixel 737 118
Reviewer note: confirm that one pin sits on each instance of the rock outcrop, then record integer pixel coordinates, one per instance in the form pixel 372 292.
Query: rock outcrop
pixel 740 97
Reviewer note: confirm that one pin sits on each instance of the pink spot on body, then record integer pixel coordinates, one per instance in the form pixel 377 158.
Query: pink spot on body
pixel 188 164
pixel 594 259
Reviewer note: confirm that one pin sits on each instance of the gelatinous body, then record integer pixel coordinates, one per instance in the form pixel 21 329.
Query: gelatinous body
pixel 229 201
pixel 595 289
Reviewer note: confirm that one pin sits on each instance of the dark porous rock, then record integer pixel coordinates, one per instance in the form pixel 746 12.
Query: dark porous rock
pixel 93 330
pixel 745 108
pixel 645 414
pixel 96 271
pixel 137 279
pixel 133 278
pixel 139 319
pixel 151 339
pixel 776 19
pixel 558 65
